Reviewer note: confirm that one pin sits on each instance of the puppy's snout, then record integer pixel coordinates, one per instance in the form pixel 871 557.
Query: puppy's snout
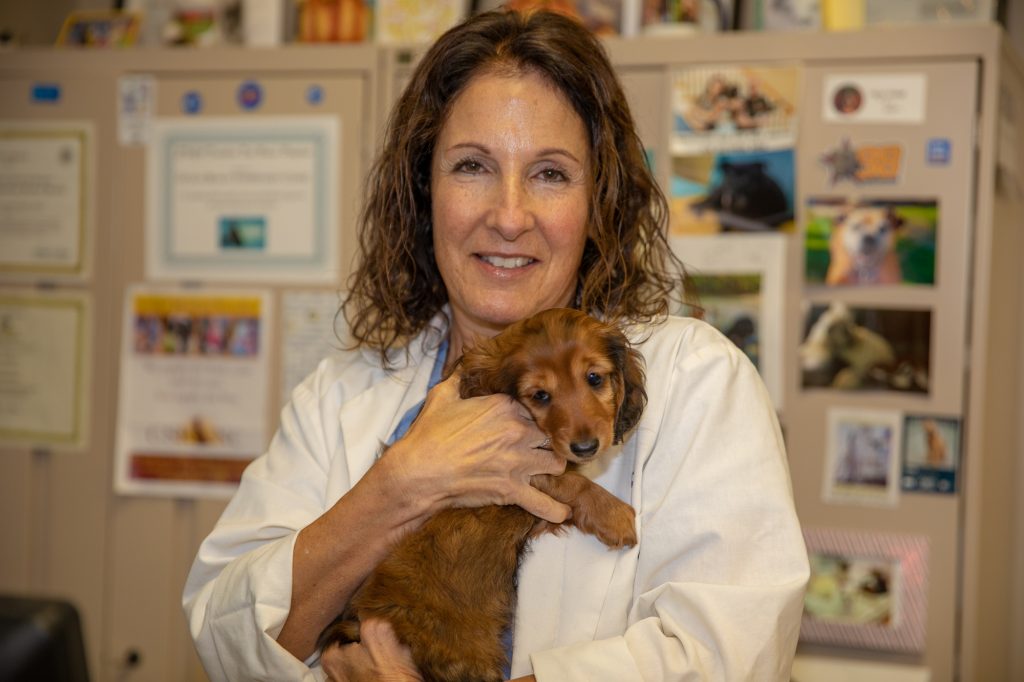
pixel 584 448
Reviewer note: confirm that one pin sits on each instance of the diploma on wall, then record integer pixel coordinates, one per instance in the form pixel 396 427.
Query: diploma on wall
pixel 243 199
pixel 45 172
pixel 43 369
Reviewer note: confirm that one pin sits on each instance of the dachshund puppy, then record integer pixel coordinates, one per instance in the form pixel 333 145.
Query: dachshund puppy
pixel 448 589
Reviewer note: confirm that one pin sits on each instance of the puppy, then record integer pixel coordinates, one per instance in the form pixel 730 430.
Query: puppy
pixel 836 338
pixel 448 589
pixel 862 248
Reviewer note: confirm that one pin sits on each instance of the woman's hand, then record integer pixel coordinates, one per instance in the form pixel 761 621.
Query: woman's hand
pixel 474 452
pixel 379 657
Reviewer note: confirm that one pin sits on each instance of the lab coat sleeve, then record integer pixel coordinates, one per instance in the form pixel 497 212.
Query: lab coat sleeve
pixel 238 592
pixel 722 566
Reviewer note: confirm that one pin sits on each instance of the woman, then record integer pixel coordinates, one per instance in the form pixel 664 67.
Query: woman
pixel 512 180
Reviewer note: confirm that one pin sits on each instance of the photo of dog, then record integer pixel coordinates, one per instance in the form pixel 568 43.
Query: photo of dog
pixel 448 589
pixel 853 349
pixel 931 453
pixel 862 248
pixel 870 242
pixel 862 457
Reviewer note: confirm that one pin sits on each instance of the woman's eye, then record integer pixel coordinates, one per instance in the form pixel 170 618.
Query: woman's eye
pixel 552 175
pixel 595 379
pixel 469 166
pixel 541 397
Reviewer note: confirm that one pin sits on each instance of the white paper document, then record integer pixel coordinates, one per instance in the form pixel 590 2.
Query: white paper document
pixel 243 200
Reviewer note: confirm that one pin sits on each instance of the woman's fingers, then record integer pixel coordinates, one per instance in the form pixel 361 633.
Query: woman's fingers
pixel 542 505
pixel 477 451
pixel 379 657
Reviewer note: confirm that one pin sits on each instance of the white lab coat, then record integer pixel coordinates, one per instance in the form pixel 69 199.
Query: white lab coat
pixel 713 591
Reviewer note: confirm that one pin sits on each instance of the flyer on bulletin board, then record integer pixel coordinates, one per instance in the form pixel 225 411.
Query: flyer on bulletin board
pixel 243 200
pixel 193 390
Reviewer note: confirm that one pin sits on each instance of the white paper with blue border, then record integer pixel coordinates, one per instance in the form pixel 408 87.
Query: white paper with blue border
pixel 243 199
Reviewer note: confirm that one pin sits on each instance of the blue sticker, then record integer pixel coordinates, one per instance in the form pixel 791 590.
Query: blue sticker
pixel 191 102
pixel 250 95
pixel 45 93
pixel 939 151
pixel 315 95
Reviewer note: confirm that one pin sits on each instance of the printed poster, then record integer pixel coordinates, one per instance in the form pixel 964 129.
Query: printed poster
pixel 311 331
pixel 194 390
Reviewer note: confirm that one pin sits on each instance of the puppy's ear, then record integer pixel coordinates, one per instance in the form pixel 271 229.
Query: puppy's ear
pixel 629 382
pixel 488 368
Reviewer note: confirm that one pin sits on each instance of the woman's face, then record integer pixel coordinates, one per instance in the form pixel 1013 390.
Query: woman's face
pixel 510 185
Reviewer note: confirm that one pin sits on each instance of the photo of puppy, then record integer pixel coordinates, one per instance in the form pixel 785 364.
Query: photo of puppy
pixel 870 242
pixel 931 453
pixel 862 247
pixel 851 349
pixel 449 588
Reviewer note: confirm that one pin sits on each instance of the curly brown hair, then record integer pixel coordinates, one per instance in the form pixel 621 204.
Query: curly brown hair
pixel 628 272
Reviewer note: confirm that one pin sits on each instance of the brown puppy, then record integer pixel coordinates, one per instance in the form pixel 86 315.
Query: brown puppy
pixel 448 589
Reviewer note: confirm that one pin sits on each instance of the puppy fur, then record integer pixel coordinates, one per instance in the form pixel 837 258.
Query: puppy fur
pixel 449 588
pixel 862 248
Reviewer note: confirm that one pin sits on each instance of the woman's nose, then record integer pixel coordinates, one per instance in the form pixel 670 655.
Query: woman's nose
pixel 512 213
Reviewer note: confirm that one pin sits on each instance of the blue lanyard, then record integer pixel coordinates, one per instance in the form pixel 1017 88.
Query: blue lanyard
pixel 435 378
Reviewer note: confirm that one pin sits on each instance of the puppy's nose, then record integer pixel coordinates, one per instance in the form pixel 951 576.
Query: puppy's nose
pixel 584 448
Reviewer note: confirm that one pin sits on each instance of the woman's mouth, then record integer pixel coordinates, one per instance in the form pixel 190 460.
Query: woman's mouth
pixel 507 263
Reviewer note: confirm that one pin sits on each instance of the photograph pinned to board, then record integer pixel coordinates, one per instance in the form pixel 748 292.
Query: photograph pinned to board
pixel 862 462
pixel 863 163
pixel 46 201
pixel 245 199
pixel 931 454
pixel 193 398
pixel 866 591
pixel 733 108
pixel 740 285
pixel 866 349
pixel 850 241
pixel 743 192
pixel 44 362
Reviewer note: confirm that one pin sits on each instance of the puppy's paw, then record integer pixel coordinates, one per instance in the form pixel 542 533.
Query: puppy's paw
pixel 613 522
pixel 618 528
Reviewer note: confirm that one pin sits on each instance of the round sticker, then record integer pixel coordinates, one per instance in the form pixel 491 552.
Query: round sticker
pixel 315 95
pixel 250 95
pixel 191 102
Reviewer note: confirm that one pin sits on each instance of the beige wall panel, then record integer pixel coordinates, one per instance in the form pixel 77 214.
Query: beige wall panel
pixel 16 532
pixel 948 114
pixel 63 498
pixel 647 92
pixel 146 604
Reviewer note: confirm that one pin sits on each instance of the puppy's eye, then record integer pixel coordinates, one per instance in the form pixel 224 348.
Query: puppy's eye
pixel 541 397
pixel 595 379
